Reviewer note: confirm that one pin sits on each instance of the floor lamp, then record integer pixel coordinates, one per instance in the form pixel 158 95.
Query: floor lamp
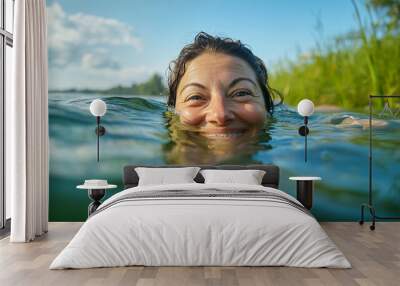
pixel 370 204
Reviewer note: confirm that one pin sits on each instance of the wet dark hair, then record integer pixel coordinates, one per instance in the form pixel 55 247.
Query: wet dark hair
pixel 204 42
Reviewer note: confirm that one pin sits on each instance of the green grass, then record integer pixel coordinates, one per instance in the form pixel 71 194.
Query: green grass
pixel 344 71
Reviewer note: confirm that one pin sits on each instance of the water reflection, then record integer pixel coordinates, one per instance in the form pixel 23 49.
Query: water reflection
pixel 188 146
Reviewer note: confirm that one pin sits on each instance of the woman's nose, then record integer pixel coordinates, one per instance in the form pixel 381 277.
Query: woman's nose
pixel 219 112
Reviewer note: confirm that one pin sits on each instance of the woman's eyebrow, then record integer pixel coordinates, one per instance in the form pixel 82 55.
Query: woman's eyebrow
pixel 193 84
pixel 236 80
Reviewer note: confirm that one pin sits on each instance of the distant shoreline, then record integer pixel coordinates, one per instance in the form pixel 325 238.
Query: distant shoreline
pixel 153 86
pixel 103 92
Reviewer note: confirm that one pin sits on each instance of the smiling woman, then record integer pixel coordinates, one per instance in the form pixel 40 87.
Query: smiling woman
pixel 219 91
pixel 219 95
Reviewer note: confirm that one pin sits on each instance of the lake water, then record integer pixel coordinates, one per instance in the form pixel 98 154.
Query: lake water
pixel 138 132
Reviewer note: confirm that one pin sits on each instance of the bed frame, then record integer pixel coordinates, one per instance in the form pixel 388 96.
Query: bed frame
pixel 270 179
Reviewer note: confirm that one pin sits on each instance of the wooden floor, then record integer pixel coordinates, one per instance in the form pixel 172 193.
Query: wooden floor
pixel 375 257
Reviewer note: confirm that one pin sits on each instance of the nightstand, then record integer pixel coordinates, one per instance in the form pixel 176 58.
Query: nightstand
pixel 305 190
pixel 96 190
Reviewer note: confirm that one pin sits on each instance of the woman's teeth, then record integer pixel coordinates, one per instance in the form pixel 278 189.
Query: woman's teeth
pixel 224 135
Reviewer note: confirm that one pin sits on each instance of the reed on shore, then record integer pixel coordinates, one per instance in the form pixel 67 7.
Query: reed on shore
pixel 345 70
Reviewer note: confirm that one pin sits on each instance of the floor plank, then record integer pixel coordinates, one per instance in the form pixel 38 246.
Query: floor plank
pixel 374 255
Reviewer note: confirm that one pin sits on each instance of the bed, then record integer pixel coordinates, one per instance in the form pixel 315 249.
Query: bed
pixel 201 224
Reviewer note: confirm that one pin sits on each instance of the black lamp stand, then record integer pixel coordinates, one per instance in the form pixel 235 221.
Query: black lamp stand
pixel 303 131
pixel 95 195
pixel 100 131
pixel 370 204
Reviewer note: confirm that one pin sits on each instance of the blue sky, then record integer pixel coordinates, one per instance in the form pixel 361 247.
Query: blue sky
pixel 99 43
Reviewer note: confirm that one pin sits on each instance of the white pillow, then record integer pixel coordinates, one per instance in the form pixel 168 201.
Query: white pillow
pixel 248 177
pixel 164 176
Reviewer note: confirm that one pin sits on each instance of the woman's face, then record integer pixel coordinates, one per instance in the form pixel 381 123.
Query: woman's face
pixel 219 97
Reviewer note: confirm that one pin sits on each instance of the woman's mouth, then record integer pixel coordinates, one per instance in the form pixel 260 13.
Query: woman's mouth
pixel 223 134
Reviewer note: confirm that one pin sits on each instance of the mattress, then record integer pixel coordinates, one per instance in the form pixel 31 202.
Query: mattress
pixel 201 225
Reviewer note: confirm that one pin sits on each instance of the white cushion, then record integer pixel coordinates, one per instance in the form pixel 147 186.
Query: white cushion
pixel 248 177
pixel 165 176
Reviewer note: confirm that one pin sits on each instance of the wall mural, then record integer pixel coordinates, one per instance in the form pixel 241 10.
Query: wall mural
pixel 216 108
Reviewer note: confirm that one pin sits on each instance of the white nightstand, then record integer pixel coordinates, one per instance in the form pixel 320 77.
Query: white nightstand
pixel 305 190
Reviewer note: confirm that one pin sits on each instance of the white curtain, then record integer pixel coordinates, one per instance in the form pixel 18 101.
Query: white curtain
pixel 27 124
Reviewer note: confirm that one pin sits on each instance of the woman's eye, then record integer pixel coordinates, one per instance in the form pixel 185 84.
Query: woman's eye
pixel 194 98
pixel 242 93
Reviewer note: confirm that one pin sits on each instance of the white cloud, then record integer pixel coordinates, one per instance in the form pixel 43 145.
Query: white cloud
pixel 82 50
pixel 102 31
pixel 70 36
pixel 99 60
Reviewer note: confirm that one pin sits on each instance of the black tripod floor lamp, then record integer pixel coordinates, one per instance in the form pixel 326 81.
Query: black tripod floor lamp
pixel 370 204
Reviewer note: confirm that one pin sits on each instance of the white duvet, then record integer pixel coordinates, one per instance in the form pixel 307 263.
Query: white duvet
pixel 200 231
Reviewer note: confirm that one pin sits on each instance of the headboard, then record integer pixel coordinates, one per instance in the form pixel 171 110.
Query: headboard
pixel 270 179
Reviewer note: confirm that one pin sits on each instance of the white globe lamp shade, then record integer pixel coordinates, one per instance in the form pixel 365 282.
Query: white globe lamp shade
pixel 98 107
pixel 305 107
